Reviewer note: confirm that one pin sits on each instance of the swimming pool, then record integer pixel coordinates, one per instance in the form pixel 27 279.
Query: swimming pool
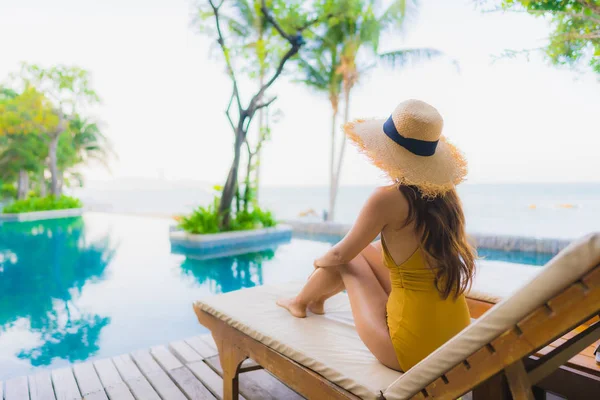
pixel 101 285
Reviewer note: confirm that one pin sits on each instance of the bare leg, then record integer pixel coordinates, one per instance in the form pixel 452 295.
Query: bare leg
pixel 368 301
pixel 373 255
pixel 318 306
pixel 368 286
pixel 322 282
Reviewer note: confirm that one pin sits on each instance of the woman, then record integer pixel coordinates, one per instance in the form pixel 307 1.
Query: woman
pixel 406 291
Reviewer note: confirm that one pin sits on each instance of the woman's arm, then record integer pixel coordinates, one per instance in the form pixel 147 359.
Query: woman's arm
pixel 368 225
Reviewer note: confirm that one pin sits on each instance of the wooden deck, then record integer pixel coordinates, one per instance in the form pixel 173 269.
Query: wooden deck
pixel 187 369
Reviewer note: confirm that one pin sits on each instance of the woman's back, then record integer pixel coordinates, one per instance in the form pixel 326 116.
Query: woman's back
pixel 419 318
pixel 401 238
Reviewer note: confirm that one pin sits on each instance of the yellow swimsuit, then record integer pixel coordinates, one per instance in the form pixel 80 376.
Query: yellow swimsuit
pixel 418 318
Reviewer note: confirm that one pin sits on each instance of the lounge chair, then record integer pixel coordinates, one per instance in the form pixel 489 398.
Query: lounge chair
pixel 322 357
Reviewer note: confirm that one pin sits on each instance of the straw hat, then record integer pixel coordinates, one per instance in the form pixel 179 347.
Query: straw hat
pixel 410 149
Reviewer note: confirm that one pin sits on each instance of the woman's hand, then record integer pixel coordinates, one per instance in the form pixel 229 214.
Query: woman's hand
pixel 329 259
pixel 318 263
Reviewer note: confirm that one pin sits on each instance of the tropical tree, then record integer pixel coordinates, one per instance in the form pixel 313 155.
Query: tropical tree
pixel 23 116
pixel 321 74
pixel 258 44
pixel 257 47
pixel 575 37
pixel 82 143
pixel 68 90
pixel 20 157
pixel 346 50
pixel 292 20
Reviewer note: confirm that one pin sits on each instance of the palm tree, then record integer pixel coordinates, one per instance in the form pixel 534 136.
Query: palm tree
pixel 321 74
pixel 82 143
pixel 334 67
pixel 66 90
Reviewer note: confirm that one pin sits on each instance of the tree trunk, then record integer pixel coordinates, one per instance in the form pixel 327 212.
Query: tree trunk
pixel 336 184
pixel 330 213
pixel 231 184
pixel 61 181
pixel 261 126
pixel 52 155
pixel 23 185
pixel 248 184
pixel 237 199
pixel 43 188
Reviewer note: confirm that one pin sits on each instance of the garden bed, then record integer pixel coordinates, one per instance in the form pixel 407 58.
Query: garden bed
pixel 41 215
pixel 225 244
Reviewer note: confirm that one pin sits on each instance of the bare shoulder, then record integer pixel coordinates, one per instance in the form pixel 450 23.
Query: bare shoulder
pixel 389 199
pixel 388 195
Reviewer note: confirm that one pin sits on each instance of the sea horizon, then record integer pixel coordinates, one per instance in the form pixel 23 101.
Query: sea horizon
pixel 554 210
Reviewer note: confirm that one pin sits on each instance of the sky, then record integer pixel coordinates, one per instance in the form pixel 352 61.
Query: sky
pixel 164 91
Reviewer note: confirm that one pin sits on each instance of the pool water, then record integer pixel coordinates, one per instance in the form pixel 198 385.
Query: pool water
pixel 100 285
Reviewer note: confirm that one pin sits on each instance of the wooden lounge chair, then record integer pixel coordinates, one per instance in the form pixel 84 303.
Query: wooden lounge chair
pixel 322 357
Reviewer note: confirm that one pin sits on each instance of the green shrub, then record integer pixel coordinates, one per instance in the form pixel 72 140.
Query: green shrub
pixel 49 203
pixel 8 191
pixel 202 220
pixel 206 220
pixel 255 219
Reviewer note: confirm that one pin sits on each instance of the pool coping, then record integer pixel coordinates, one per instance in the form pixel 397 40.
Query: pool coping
pixel 41 215
pixel 507 243
pixel 203 246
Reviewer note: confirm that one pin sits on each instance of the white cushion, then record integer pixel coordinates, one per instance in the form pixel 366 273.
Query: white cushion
pixel 330 346
pixel 327 344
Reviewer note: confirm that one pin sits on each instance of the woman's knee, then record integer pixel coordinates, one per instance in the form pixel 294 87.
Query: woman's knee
pixel 355 265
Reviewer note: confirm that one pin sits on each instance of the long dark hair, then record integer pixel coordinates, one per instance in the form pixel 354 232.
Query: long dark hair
pixel 441 223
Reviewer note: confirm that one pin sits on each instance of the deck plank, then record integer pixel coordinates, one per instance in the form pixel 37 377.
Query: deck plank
pixel 190 385
pixel 201 347
pixel 88 382
pixel 135 380
pixel 184 352
pixel 156 376
pixel 259 384
pixel 194 363
pixel 65 386
pixel 17 389
pixel 40 387
pixel 208 338
pixel 1 390
pixel 114 386
pixel 209 378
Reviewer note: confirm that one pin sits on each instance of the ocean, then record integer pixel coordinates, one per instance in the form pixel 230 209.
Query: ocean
pixel 543 210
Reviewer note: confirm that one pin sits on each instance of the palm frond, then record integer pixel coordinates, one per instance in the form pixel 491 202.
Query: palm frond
pixel 370 30
pixel 312 76
pixel 403 57
pixel 397 13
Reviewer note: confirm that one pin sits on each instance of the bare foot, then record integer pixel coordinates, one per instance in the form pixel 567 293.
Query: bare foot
pixel 294 309
pixel 317 307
